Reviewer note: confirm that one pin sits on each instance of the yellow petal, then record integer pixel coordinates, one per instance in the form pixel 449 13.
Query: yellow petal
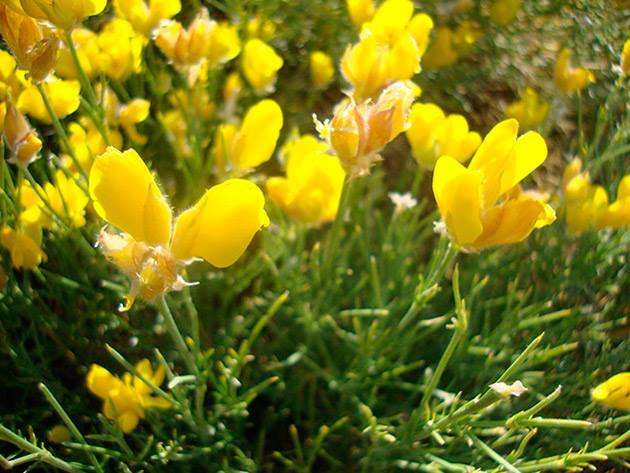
pixel 531 152
pixel 222 224
pixel 128 421
pixel 258 135
pixel 100 381
pixel 615 392
pixel 513 222
pixel 125 195
pixel 457 191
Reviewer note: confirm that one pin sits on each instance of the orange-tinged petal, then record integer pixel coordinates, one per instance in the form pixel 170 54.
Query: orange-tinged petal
pixel 125 195
pixel 222 224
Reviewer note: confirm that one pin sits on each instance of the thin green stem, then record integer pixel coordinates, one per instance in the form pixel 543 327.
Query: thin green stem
pixel 176 335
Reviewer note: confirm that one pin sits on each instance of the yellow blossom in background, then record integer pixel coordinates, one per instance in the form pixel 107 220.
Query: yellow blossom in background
pixel 232 87
pixel 357 132
pixel 390 49
pixel 20 138
pixel 503 12
pixel 618 212
pixel 530 111
pixel 432 134
pixel 568 78
pixel 614 392
pixel 321 68
pixel 260 65
pixel 34 48
pixel 130 114
pixel 64 14
pixel 64 96
pixel 86 45
pixel 218 228
pixel 482 205
pixel 312 188
pixel 145 17
pixel 12 81
pixel 441 51
pixel 24 246
pixel 465 36
pixel 66 198
pixel 625 58
pixel 253 142
pixel 360 11
pixel 125 400
pixel 585 204
pixel 59 434
pixel 121 50
pixel 175 123
pixel 261 28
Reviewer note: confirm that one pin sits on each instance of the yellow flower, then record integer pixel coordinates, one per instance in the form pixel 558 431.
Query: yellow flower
pixel 585 204
pixel 12 81
pixel 420 28
pixel 86 44
pixel 59 434
pixel 63 96
pixel 361 11
pixel 530 111
pixel 66 198
pixel 618 213
pixel 503 12
pixel 261 28
pixel 121 50
pixel 357 132
pixel 465 36
pixel 64 14
pixel 132 113
pixel 568 78
pixel 312 188
pixel 441 52
pixel 615 392
pixel 34 48
pixel 260 65
pixel 482 205
pixel 143 17
pixel 232 87
pixel 21 139
pixel 253 142
pixel 625 58
pixel 218 228
pixel 24 245
pixel 366 66
pixel 322 69
pixel 223 43
pixel 433 134
pixel 125 400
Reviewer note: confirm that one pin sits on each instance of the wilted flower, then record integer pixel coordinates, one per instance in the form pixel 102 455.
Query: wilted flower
pixel 34 48
pixel 615 392
pixel 144 18
pixel 62 94
pixel 260 65
pixel 24 245
pixel 530 111
pixel 125 400
pixel 218 228
pixel 568 78
pixel 21 139
pixel 482 205
pixel 312 188
pixel 432 134
pixel 357 132
pixel 64 14
pixel 360 11
pixel 252 143
pixel 322 69
pixel 503 12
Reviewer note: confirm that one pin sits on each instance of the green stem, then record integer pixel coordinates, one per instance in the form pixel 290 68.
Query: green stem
pixel 60 131
pixel 334 235
pixel 176 335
